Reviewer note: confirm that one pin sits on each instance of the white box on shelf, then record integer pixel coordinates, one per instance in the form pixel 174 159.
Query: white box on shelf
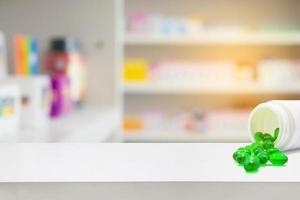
pixel 10 111
pixel 35 101
pixel 3 65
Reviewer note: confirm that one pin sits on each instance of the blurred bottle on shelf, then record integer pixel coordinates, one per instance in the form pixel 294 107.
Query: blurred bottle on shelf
pixel 66 59
pixel 61 100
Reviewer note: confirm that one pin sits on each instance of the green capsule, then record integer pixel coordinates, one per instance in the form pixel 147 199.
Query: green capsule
pixel 273 150
pixel 255 145
pixel 249 149
pixel 268 144
pixel 263 157
pixel 258 149
pixel 258 137
pixel 276 133
pixel 246 149
pixel 241 157
pixel 241 149
pixel 234 155
pixel 251 164
pixel 267 136
pixel 278 159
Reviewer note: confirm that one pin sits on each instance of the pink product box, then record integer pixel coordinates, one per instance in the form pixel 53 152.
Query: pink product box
pixel 141 22
pixel 230 121
pixel 195 72
pixel 138 22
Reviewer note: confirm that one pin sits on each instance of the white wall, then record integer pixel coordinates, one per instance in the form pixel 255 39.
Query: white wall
pixel 91 21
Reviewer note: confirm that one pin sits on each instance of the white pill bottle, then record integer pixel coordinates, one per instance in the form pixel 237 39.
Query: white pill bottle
pixel 282 114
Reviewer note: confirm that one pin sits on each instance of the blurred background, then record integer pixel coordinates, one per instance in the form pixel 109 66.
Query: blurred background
pixel 143 71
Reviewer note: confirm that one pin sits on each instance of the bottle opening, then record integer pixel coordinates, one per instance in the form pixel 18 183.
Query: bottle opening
pixel 263 119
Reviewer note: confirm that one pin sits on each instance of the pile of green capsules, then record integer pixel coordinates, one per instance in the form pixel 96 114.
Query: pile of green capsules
pixel 259 153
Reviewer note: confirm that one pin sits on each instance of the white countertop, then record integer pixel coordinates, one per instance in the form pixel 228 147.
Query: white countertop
pixel 133 163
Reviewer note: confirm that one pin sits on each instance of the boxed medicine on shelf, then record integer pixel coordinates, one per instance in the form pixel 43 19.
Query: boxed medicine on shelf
pixel 35 100
pixel 10 112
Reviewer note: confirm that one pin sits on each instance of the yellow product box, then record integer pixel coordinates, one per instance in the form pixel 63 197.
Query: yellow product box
pixel 136 70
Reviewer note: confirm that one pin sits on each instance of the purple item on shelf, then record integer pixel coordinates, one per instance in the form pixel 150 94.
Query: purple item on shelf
pixel 61 103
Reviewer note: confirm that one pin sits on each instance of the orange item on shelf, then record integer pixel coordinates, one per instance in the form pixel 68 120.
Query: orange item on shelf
pixel 136 70
pixel 132 124
pixel 21 45
pixel 18 55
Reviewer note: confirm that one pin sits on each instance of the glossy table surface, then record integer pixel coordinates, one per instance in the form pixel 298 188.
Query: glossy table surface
pixel 116 162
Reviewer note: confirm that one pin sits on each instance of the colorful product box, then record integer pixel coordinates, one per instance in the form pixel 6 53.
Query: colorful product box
pixel 62 102
pixel 10 110
pixel 3 65
pixel 26 55
pixel 35 101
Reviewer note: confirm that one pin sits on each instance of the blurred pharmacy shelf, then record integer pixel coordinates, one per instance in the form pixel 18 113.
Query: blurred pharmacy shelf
pixel 86 125
pixel 292 38
pixel 164 88
pixel 185 137
pixel 265 67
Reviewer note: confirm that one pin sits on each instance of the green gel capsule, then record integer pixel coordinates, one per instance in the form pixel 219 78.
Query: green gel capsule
pixel 241 149
pixel 258 137
pixel 241 157
pixel 251 164
pixel 267 136
pixel 255 145
pixel 263 157
pixel 234 155
pixel 273 150
pixel 246 149
pixel 268 144
pixel 278 159
pixel 249 149
pixel 276 133
pixel 258 149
